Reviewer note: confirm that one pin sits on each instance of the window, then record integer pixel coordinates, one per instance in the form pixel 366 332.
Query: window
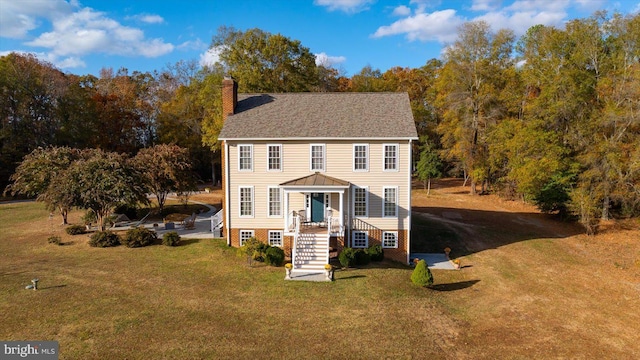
pixel 317 157
pixel 360 239
pixel 246 201
pixel 390 157
pixel 274 157
pixel 246 235
pixel 360 202
pixel 275 238
pixel 245 157
pixel 360 157
pixel 275 204
pixel 390 202
pixel 390 239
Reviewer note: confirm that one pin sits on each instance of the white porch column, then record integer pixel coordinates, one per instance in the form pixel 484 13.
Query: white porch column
pixel 341 211
pixel 286 211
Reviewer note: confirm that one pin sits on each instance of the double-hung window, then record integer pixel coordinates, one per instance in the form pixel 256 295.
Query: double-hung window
pixel 317 157
pixel 390 157
pixel 274 157
pixel 360 239
pixel 275 238
pixel 360 202
pixel 360 157
pixel 390 201
pixel 245 157
pixel 246 235
pixel 245 197
pixel 275 201
pixel 390 239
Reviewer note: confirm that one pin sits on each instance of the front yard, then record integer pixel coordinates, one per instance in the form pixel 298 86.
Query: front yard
pixel 520 297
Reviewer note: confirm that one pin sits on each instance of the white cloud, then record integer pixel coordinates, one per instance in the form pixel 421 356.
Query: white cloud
pixel 326 60
pixel 401 11
pixel 485 5
pixel 636 9
pixel 348 6
pixel 151 19
pixel 17 18
pixel 196 44
pixel 70 62
pixel 438 25
pixel 88 31
pixel 210 57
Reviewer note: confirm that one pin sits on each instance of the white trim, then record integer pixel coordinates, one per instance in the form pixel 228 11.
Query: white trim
pixel 384 201
pixel 252 232
pixel 353 238
pixel 280 158
pixel 409 172
pixel 395 233
pixel 384 157
pixel 366 157
pixel 324 157
pixel 281 237
pixel 269 201
pixel 323 138
pixel 366 202
pixel 227 192
pixel 250 157
pixel 253 200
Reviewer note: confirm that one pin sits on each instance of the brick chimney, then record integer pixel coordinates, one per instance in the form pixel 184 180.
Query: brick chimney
pixel 229 96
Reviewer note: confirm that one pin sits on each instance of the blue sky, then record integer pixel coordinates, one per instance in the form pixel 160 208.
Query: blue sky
pixel 83 36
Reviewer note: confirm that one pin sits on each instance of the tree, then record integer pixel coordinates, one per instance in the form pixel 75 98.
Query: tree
pixel 100 181
pixel 421 275
pixel 469 87
pixel 429 166
pixel 264 62
pixel 165 168
pixel 36 173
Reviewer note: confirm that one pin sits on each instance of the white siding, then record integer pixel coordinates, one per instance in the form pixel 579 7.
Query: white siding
pixel 339 164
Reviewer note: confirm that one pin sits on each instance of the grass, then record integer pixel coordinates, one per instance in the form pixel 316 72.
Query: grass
pixel 525 298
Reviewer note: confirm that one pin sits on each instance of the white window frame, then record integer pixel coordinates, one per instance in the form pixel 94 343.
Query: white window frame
pixel 269 201
pixel 248 234
pixel 353 239
pixel 324 158
pixel 395 239
pixel 281 234
pixel 252 193
pixel 384 201
pixel 250 146
pixel 396 158
pixel 366 201
pixel 366 158
pixel 279 146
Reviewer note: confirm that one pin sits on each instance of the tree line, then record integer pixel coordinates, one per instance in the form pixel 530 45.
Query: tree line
pixel 552 117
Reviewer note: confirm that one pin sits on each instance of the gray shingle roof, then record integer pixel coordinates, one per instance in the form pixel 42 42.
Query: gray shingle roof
pixel 321 115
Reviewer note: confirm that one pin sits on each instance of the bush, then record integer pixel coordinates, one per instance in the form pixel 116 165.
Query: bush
pixel 54 240
pixel 421 275
pixel 139 237
pixel 261 251
pixel 250 249
pixel 376 252
pixel 104 239
pixel 89 217
pixel 362 257
pixel 75 229
pixel 171 239
pixel 347 257
pixel 274 256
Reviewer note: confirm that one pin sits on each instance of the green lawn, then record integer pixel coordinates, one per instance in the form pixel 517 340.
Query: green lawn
pixel 201 301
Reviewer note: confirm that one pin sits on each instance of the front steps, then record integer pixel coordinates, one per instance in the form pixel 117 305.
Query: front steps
pixel 311 253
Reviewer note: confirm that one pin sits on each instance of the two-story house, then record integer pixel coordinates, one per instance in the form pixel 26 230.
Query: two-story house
pixel 314 171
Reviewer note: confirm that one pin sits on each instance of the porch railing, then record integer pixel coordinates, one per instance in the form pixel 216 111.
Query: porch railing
pixel 295 240
pixel 216 221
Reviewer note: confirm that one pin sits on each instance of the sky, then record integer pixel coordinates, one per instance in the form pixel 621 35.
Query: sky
pixel 84 36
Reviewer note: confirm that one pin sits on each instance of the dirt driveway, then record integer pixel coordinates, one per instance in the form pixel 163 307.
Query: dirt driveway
pixel 540 288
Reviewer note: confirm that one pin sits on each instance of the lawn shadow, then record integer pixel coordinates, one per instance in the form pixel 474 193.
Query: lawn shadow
pixel 454 286
pixel 186 242
pixel 349 277
pixel 52 287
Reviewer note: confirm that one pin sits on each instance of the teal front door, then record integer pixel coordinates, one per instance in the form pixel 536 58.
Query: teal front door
pixel 317 207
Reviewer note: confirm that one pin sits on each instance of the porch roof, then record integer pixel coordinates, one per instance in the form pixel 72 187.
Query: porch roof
pixel 318 180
